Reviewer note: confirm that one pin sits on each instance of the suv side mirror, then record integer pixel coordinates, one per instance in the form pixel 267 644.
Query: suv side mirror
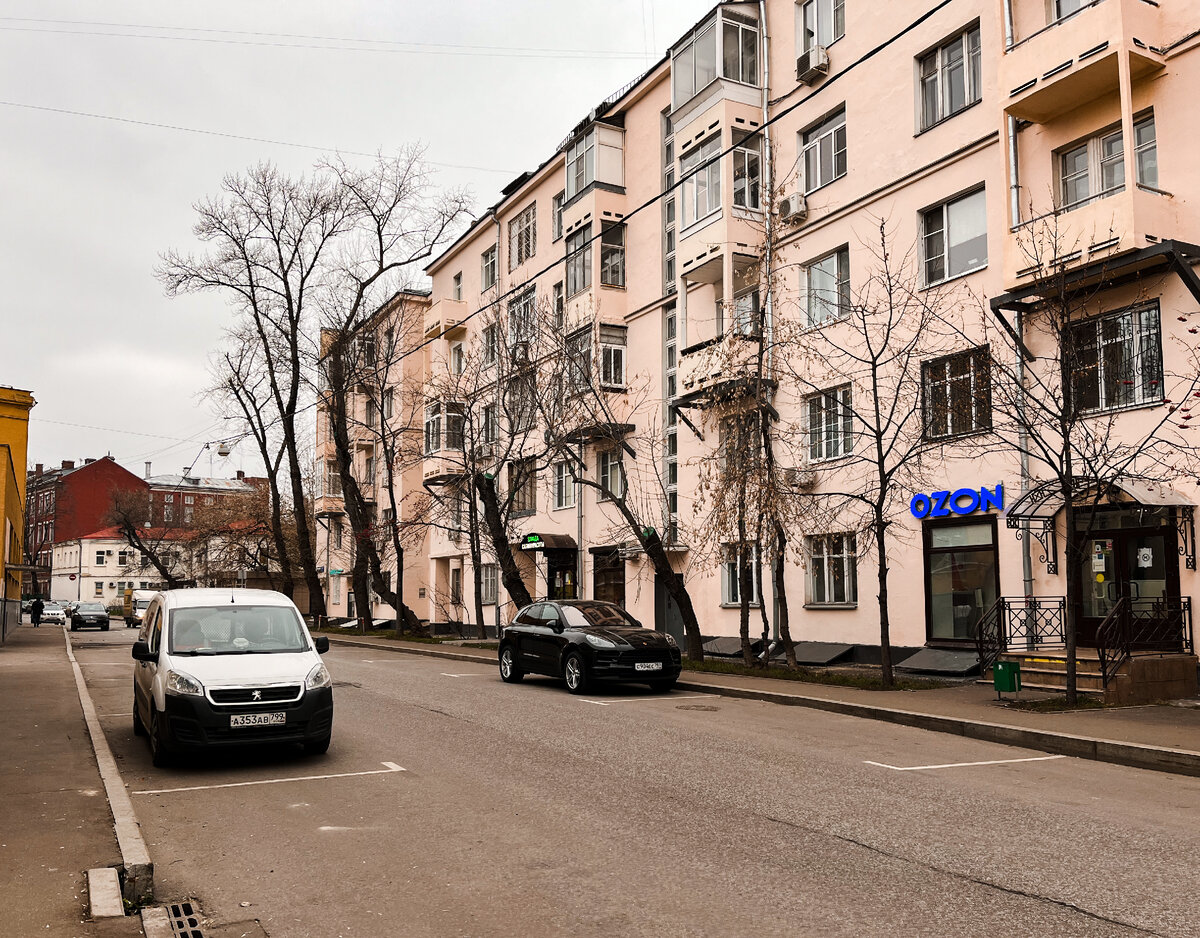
pixel 555 624
pixel 141 652
pixel 321 643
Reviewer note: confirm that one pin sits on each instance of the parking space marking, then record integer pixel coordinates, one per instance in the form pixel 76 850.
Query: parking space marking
pixel 958 765
pixel 605 703
pixel 468 674
pixel 391 767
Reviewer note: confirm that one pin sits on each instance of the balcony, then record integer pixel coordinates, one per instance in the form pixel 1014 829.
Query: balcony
pixel 1092 234
pixel 718 370
pixel 445 319
pixel 1077 59
pixel 442 467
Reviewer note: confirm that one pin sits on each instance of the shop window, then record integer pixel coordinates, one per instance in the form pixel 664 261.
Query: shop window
pixel 961 577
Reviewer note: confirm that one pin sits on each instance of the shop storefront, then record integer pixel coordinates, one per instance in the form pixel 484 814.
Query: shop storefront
pixel 561 555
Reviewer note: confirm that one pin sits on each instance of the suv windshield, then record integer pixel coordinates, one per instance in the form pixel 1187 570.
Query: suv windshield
pixel 593 614
pixel 236 630
pixel 90 607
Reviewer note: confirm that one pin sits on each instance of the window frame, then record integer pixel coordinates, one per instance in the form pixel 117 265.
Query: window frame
pixel 683 56
pixel 456 284
pixel 834 10
pixel 556 216
pixel 489 583
pixel 980 398
pixel 563 488
pixel 522 236
pixel 697 165
pixel 488 267
pixel 971 64
pixel 739 25
pixel 613 357
pixel 612 255
pixel 840 256
pixel 847 555
pixel 944 208
pixel 580 164
pixel 746 153
pixel 813 141
pixel 731 587
pixel 1149 382
pixel 610 469
pixel 579 260
pixel 836 413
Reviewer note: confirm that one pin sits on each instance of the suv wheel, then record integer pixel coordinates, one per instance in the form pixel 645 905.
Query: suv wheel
pixel 575 673
pixel 509 672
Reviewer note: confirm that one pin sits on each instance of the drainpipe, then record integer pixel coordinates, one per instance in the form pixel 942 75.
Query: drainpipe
pixel 768 305
pixel 1009 36
pixel 579 531
pixel 1014 177
pixel 1023 442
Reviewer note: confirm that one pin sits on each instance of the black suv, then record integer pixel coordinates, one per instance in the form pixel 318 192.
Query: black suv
pixel 581 641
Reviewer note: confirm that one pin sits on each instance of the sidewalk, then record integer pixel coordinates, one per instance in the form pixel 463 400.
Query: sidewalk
pixel 1159 737
pixel 55 821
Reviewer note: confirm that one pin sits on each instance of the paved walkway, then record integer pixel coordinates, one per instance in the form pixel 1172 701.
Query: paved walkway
pixel 1162 726
pixel 55 821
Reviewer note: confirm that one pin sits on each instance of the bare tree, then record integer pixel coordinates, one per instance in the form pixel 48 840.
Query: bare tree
pixel 163 544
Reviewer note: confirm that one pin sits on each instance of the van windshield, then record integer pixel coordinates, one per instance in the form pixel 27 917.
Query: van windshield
pixel 236 630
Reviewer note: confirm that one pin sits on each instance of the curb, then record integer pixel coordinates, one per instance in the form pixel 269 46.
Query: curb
pixel 139 870
pixel 1135 755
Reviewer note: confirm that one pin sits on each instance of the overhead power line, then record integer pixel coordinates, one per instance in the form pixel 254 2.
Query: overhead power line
pixel 232 136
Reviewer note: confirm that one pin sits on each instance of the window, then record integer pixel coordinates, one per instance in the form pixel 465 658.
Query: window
pixel 579 360
pixel 168 513
pixel 99 588
pixel 522 483
pixel 612 356
pixel 739 59
pixel 1118 360
pixel 579 260
pixel 522 317
pixel 522 237
pixel 1145 152
pixel 950 77
pixel 189 499
pixel 954 236
pixel 522 401
pixel 694 63
pixel 389 402
pixel 433 428
pixel 454 426
pixel 832 573
pixel 487 268
pixel 335 529
pixel 822 23
pixel 556 215
pixel 731 584
pixel 668 205
pixel 458 364
pixel 99 558
pixel 124 557
pixel 612 256
pixel 1064 8
pixel 457 286
pixel 824 151
pixel 564 486
pixel 490 429
pixel 188 510
pixel 745 314
pixel 827 296
pixel 456 586
pixel 747 174
pixel 489 583
pixel 370 420
pixel 962 579
pixel 1095 168
pixel 958 393
pixel 581 164
pixel 560 306
pixel 491 343
pixel 611 475
pixel 830 424
pixel 701 181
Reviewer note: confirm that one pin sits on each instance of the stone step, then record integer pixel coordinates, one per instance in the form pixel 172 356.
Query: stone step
pixel 1053 688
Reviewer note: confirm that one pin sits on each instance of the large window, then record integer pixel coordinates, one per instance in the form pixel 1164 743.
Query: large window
pixel 521 397
pixel 701 187
pixel 491 343
pixel 694 64
pixel 487 268
pixel 489 582
pixel 739 53
pixel 827 287
pixel 746 314
pixel 522 483
pixel 958 393
pixel 522 317
pixel 612 255
pixel 522 237
pixel 731 585
pixel 822 22
pixel 612 357
pixel 950 77
pixel 556 216
pixel 824 152
pixel 579 260
pixel 954 235
pixel 830 424
pixel 1095 168
pixel 1117 360
pixel 581 164
pixel 747 174
pixel 961 576
pixel 611 474
pixel 564 486
pixel 832 572
pixel 433 428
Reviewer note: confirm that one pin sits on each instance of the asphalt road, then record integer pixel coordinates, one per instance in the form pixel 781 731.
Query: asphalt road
pixel 524 811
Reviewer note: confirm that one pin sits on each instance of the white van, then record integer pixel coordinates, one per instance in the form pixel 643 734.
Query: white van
pixel 226 667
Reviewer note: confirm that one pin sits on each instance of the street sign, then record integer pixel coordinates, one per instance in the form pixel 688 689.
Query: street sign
pixel 71 577
pixel 335 572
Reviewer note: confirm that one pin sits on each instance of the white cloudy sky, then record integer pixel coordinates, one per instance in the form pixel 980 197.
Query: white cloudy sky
pixel 88 203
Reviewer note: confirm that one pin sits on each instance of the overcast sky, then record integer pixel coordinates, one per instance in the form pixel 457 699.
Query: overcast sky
pixel 89 202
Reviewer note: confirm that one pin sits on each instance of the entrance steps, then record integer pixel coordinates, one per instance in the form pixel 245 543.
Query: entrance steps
pixel 1142 679
pixel 1047 671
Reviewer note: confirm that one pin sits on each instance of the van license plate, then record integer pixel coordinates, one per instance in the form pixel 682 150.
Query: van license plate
pixel 647 666
pixel 257 719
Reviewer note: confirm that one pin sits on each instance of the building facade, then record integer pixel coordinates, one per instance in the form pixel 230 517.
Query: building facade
pixel 874 221
pixel 15 406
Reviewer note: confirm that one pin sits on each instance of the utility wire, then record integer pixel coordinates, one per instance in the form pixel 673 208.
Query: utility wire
pixel 156 436
pixel 231 136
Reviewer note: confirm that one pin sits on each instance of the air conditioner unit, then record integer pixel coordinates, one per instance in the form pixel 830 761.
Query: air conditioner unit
pixel 108 553
pixel 793 208
pixel 812 65
pixel 802 478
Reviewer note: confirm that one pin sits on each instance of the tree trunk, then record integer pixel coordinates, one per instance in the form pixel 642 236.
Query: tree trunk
pixel 1070 634
pixel 308 558
pixel 476 561
pixel 745 585
pixel 781 601
pixel 510 574
pixel 361 582
pixel 885 627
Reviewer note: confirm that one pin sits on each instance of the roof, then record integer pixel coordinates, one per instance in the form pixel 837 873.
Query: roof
pixel 113 533
pixel 194 483
pixel 193 598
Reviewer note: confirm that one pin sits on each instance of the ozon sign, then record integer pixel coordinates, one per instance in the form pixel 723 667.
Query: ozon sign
pixel 958 502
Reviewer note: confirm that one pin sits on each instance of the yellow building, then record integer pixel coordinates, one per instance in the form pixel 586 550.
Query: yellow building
pixel 14 442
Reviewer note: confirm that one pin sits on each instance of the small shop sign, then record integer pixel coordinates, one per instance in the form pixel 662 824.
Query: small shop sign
pixel 532 542
pixel 958 502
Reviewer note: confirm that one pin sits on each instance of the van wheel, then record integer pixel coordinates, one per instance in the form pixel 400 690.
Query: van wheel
pixel 139 728
pixel 160 750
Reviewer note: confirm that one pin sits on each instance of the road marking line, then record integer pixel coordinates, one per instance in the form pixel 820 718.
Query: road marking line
pixel 958 765
pixel 605 703
pixel 391 767
pixel 469 674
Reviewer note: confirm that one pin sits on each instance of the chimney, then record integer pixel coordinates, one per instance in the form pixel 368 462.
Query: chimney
pixel 241 475
pixel 88 462
pixel 147 469
pixel 37 470
pixel 68 464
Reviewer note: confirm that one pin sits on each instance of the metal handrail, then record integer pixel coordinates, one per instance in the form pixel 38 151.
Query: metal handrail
pixel 989 635
pixel 1112 640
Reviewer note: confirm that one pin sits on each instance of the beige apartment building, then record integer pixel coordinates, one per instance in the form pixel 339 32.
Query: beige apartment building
pixel 794 187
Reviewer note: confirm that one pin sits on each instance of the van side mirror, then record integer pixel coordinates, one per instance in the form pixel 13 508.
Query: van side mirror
pixel 141 652
pixel 321 643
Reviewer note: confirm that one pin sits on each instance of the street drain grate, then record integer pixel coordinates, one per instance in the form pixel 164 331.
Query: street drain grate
pixel 185 920
pixel 704 707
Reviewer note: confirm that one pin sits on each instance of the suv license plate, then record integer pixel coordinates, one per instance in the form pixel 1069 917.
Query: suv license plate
pixel 257 719
pixel 647 666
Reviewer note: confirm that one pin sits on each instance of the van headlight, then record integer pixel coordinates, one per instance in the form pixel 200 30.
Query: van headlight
pixel 181 685
pixel 317 678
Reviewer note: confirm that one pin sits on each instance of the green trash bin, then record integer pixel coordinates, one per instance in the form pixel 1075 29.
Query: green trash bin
pixel 1006 675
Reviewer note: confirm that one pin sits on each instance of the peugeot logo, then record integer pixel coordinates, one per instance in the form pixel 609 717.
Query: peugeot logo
pixel 256 695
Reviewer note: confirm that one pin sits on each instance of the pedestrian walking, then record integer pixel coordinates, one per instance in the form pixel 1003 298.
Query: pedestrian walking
pixel 35 612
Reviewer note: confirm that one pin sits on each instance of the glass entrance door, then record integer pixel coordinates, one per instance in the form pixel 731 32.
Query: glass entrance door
pixel 962 579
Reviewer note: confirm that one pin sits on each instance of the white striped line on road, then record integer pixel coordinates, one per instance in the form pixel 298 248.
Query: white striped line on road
pixel 468 674
pixel 958 765
pixel 605 703
pixel 391 767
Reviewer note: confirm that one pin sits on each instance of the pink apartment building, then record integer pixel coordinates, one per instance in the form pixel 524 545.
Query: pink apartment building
pixel 1021 156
